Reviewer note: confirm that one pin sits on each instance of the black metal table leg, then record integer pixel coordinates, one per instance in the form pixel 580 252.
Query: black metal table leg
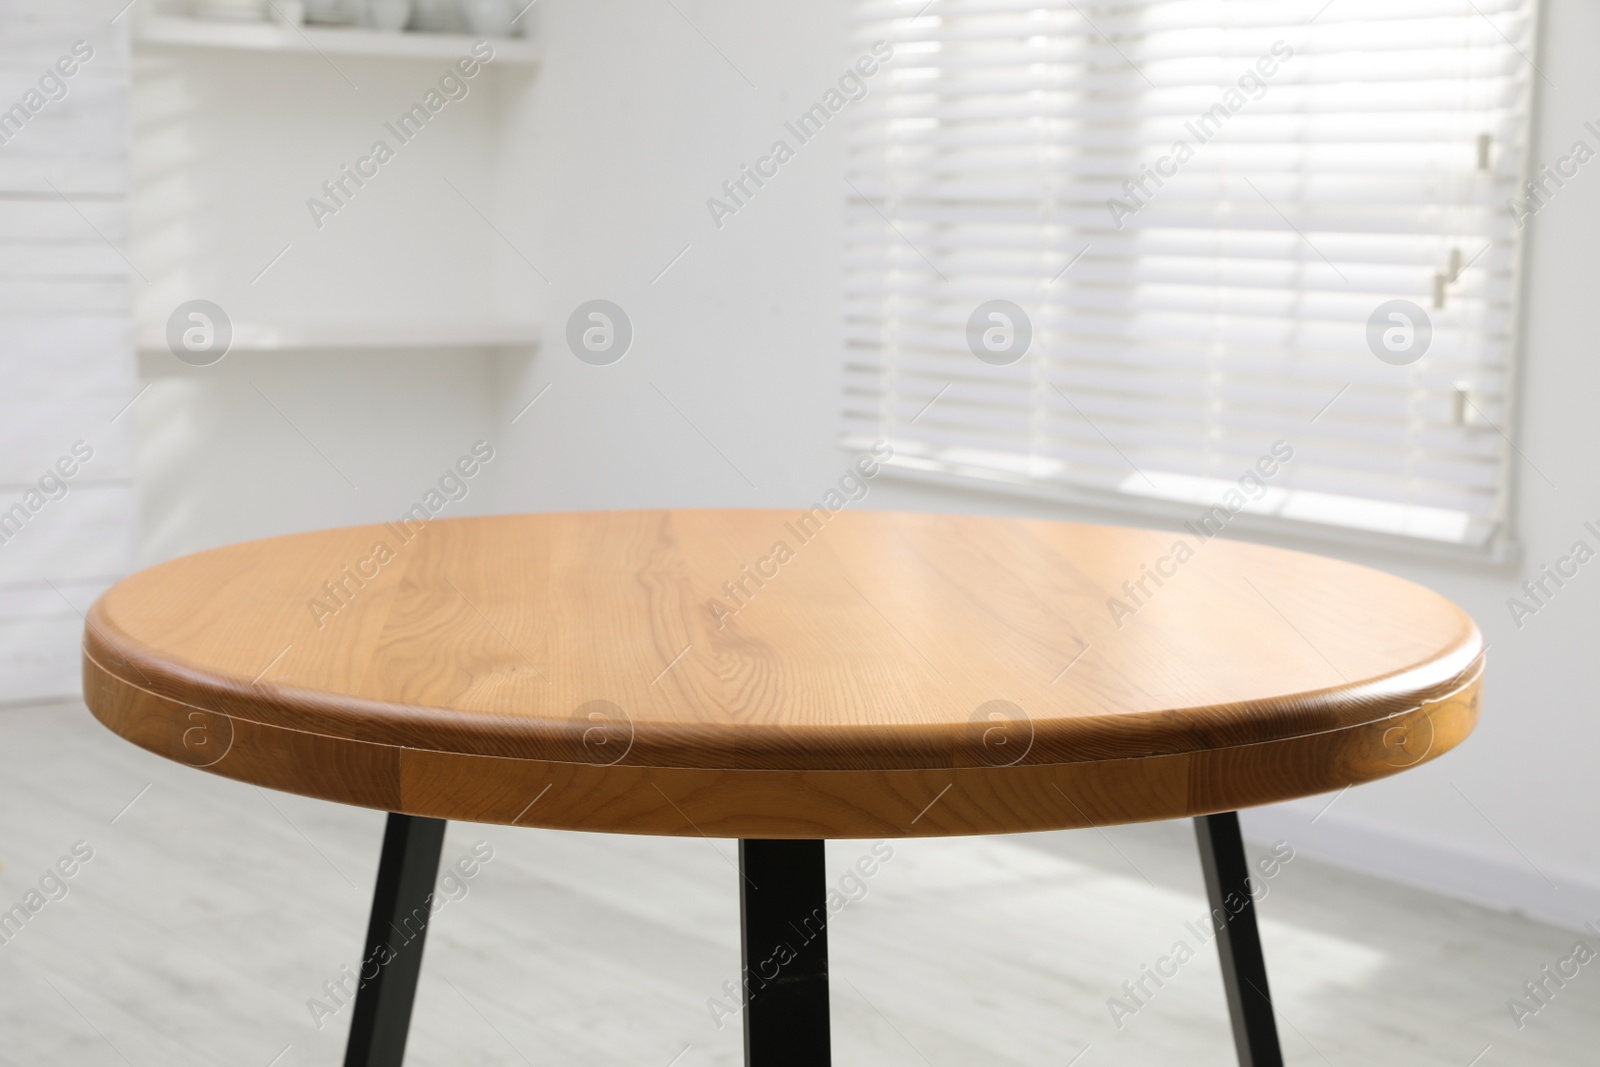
pixel 1244 970
pixel 391 959
pixel 783 919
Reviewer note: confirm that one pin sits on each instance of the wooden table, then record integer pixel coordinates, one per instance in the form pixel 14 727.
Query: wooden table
pixel 780 677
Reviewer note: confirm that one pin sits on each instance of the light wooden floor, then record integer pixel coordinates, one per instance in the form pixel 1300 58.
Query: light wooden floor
pixel 212 911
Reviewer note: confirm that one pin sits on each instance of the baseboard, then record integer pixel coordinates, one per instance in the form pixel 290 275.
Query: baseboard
pixel 1506 885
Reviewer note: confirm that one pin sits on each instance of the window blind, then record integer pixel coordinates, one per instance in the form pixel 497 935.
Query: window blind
pixel 1204 211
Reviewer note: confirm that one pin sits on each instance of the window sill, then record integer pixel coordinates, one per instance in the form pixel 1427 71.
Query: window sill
pixel 1498 552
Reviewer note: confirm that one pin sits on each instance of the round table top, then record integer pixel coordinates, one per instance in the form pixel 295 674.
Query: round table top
pixel 753 673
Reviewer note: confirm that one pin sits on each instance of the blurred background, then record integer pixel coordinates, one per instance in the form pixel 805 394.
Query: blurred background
pixel 1070 260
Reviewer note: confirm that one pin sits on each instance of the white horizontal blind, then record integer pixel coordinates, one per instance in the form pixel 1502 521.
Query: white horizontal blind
pixel 67 366
pixel 1179 329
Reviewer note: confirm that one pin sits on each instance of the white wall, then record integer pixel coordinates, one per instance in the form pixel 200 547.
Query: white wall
pixel 66 357
pixel 231 146
pixel 635 122
pixel 601 177
pixel 264 444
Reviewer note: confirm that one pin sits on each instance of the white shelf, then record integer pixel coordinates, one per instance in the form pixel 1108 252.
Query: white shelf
pixel 180 32
pixel 260 337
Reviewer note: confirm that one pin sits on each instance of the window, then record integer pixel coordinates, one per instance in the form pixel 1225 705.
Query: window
pixel 1121 251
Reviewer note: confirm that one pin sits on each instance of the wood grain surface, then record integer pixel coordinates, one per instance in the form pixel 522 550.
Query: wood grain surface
pixel 781 673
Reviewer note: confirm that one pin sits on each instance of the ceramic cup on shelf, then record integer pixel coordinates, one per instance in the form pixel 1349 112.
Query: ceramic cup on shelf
pixel 491 18
pixel 388 15
pixel 333 12
pixel 436 16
